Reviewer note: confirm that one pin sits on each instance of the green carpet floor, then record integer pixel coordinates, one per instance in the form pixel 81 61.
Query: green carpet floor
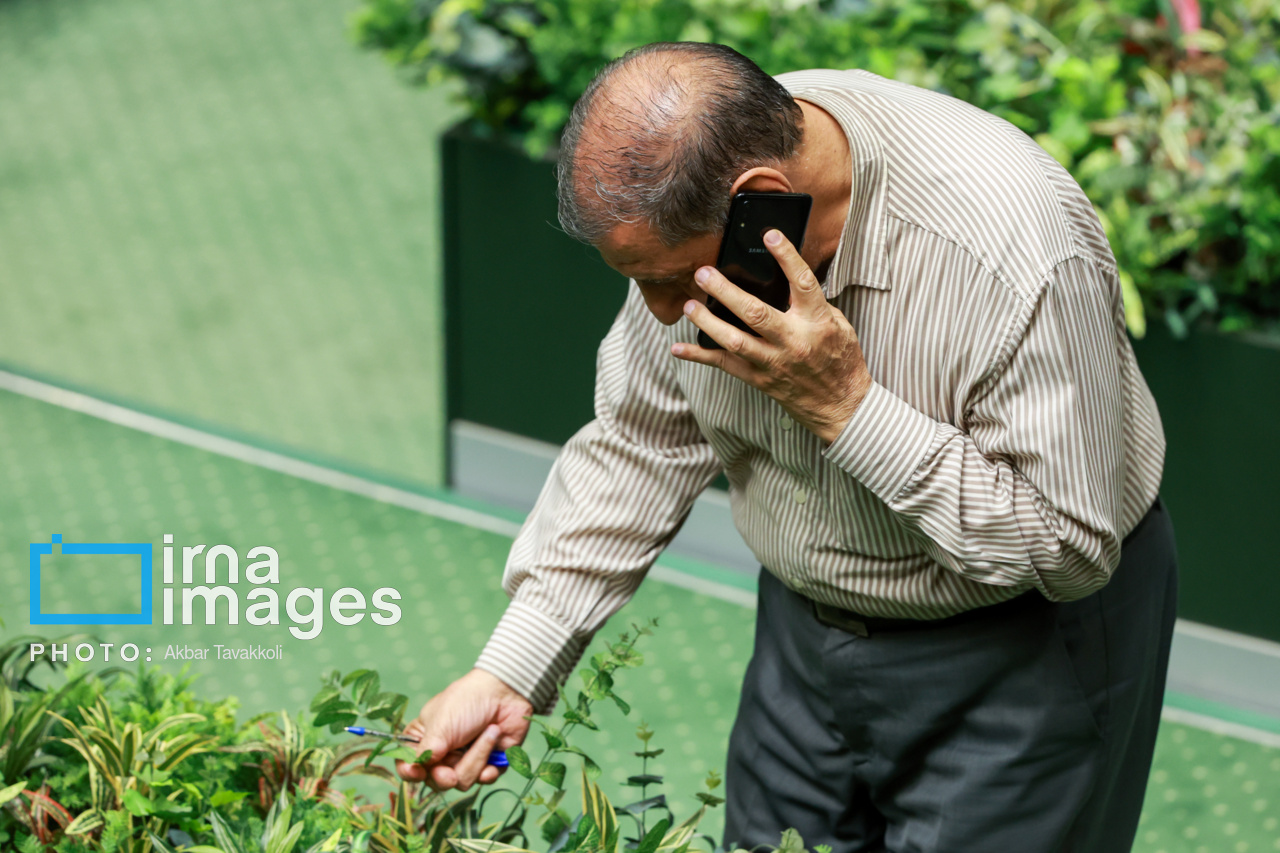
pixel 228 211
pixel 69 474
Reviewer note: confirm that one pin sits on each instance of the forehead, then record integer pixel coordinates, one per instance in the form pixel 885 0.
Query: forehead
pixel 636 252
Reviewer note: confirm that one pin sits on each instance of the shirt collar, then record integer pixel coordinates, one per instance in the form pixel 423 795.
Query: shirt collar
pixel 862 257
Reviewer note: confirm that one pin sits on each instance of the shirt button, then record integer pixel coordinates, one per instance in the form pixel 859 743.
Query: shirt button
pixel 786 422
pixel 800 496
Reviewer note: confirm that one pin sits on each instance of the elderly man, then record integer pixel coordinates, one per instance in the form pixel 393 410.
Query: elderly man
pixel 943 454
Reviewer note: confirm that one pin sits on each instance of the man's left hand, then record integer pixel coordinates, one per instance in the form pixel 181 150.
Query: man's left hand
pixel 807 358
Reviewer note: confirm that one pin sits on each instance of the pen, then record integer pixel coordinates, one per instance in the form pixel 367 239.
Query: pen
pixel 497 758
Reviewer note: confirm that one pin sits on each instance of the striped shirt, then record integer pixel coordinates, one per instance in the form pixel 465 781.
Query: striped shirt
pixel 1008 442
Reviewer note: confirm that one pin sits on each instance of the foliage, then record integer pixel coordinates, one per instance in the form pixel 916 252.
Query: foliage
pixel 137 763
pixel 291 765
pixel 1170 124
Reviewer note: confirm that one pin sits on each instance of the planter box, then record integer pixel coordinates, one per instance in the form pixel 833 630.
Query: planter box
pixel 527 307
pixel 1219 399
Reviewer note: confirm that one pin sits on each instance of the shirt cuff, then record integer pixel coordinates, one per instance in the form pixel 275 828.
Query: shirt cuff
pixel 883 443
pixel 532 653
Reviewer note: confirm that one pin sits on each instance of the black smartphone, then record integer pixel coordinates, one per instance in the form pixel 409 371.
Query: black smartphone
pixel 744 258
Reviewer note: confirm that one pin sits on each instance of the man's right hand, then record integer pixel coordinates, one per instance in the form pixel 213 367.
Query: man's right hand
pixel 461 725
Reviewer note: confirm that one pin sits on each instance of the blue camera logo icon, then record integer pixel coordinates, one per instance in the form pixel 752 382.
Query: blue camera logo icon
pixel 141 549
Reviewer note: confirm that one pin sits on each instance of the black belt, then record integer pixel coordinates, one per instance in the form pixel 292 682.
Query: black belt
pixel 864 626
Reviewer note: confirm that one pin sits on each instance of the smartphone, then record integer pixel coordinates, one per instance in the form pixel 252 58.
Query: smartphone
pixel 747 262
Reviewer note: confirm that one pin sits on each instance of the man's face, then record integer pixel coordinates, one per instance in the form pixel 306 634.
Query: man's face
pixel 664 274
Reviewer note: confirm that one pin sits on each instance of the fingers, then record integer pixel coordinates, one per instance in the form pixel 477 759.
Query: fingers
pixel 416 772
pixel 473 766
pixel 410 772
pixel 762 318
pixel 726 361
pixel 806 290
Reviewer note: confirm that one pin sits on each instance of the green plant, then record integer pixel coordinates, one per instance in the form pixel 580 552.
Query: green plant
pixel 1170 124
pixel 130 769
pixel 24 723
pixel 427 821
pixel 280 834
pixel 139 763
pixel 290 765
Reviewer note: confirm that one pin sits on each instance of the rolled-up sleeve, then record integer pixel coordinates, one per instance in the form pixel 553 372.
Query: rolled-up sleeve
pixel 1030 492
pixel 617 494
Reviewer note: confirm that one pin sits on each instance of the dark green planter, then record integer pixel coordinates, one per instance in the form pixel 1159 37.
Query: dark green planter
pixel 1219 399
pixel 527 306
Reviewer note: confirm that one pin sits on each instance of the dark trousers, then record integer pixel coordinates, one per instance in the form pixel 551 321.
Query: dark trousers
pixel 1027 730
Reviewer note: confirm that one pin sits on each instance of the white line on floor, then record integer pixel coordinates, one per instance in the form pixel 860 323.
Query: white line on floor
pixel 1221 727
pixel 239 450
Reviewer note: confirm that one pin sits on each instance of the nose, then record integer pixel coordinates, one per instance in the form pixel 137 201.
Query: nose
pixel 667 302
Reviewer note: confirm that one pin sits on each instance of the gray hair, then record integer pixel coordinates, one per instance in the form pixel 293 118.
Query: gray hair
pixel 667 152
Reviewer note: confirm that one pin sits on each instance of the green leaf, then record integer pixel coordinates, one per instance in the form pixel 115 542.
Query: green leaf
pixel 480 845
pixel 365 687
pixel 384 705
pixel 354 675
pixel 403 753
pixel 553 823
pixel 518 760
pixel 597 684
pixel 649 753
pixel 222 798
pixel 169 810
pixel 379 748
pixel 330 844
pixel 154 777
pixel 709 799
pixel 1134 317
pixel 552 773
pixel 641 781
pixel 9 793
pixel 588 765
pixel 86 821
pixel 336 715
pixel 324 697
pixel 623 706
pixel 574 716
pixel 653 838
pixel 791 842
pixel 137 803
pixel 554 738
pixel 597 806
pixel 157 843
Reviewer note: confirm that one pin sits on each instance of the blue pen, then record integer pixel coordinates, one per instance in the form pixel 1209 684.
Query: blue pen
pixel 497 758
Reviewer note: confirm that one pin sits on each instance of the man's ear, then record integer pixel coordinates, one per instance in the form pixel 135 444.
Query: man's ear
pixel 761 179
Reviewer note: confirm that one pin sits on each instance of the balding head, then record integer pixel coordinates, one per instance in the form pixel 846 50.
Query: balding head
pixel 661 134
